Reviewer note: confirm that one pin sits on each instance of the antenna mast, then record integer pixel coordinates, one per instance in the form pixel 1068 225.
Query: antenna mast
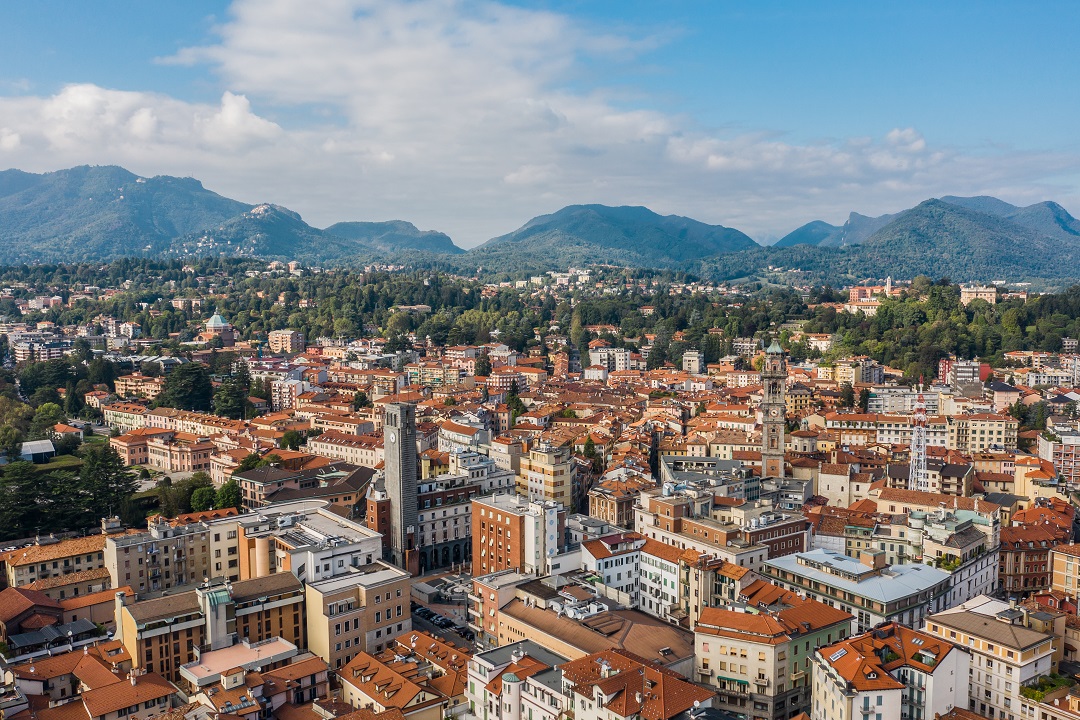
pixel 917 473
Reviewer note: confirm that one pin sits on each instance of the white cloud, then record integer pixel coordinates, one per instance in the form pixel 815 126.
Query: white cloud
pixel 457 115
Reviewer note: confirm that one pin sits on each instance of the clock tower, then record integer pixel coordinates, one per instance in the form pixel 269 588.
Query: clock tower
pixel 401 478
pixel 773 410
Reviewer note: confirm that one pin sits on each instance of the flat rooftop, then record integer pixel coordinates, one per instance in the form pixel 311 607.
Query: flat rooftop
pixel 363 576
pixel 210 666
pixel 895 582
pixel 502 655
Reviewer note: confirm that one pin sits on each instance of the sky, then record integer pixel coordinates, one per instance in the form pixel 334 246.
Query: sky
pixel 472 117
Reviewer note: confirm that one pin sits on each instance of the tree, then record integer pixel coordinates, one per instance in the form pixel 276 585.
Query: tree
pixel 864 399
pixel 82 349
pixel 105 480
pixel 45 395
pixel 483 365
pixel 10 440
pixel 250 462
pixel 187 387
pixel 21 509
pixel 291 440
pixel 46 416
pixel 847 395
pixel 231 399
pixel 360 400
pixel 228 495
pixel 517 407
pixel 67 444
pixel 203 499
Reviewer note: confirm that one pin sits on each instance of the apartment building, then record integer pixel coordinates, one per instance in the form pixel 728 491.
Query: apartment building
pixel 391 687
pixel 612 499
pixel 444 506
pixel 616 560
pixel 125 417
pixel 305 538
pixel 171 553
pixel 534 690
pixel 52 558
pixel 984 515
pixel 360 450
pixel 1025 565
pixel 287 342
pixel 868 588
pixel 194 423
pixel 892 673
pixel 1005 655
pixel 162 634
pixel 260 486
pixel 548 473
pixel 759 663
pixel 658 579
pixel 1065 569
pixel 1063 449
pixel 892 429
pixel 512 533
pixel 980 432
pixel 682 518
pixel 137 385
pixel 607 685
pixel 359 611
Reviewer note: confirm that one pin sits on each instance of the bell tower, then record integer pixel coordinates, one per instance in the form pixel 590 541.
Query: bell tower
pixel 773 410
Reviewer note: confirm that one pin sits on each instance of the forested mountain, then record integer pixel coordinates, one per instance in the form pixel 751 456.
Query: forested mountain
pixel 104 213
pixel 634 236
pixel 821 234
pixel 395 235
pixel 98 213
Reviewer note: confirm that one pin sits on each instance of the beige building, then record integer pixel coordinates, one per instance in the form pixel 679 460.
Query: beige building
pixel 162 634
pixel 360 611
pixel 978 292
pixel 171 553
pixel 288 342
pixel 1005 655
pixel 1065 569
pixel 138 385
pixel 361 450
pixel 759 663
pixel 51 558
pixel 980 432
pixel 125 417
pixel 547 473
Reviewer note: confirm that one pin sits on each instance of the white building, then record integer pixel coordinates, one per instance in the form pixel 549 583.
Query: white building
pixel 616 559
pixel 891 673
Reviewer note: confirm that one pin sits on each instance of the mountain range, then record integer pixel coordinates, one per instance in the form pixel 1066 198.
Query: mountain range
pixel 104 213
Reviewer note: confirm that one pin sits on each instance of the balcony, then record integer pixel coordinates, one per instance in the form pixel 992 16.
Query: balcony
pixel 705 672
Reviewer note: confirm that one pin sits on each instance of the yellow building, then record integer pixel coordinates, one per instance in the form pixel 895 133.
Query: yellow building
pixel 547 473
pixel 357 612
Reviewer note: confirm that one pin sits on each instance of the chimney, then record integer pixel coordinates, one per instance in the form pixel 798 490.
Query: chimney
pixel 873 559
pixel 131 677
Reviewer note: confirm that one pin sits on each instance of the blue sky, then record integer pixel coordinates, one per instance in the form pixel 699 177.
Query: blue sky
pixel 471 117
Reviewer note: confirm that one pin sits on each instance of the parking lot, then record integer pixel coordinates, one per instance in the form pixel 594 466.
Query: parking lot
pixel 447 626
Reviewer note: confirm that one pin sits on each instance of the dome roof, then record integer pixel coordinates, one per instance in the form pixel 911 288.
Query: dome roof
pixel 216 323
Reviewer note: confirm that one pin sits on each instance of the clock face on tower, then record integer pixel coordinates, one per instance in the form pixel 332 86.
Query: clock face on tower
pixel 775 412
pixel 391 436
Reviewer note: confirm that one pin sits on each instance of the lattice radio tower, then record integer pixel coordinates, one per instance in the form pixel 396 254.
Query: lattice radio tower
pixel 917 471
